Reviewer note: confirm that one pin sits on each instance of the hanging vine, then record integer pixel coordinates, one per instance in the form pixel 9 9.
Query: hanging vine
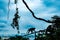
pixel 48 21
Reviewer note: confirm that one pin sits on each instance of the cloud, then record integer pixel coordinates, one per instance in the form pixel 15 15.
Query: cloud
pixel 3 21
pixel 22 7
pixel 47 13
pixel 52 3
pixel 3 30
pixel 3 8
pixel 2 26
pixel 1 13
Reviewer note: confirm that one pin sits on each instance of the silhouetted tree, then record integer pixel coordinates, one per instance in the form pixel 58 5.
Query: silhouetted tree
pixel 31 30
pixel 40 35
pixel 50 30
pixel 18 38
pixel 0 37
pixel 56 20
pixel 57 26
pixel 54 29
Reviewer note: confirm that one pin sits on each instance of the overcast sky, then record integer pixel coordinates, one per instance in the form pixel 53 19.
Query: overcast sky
pixel 42 9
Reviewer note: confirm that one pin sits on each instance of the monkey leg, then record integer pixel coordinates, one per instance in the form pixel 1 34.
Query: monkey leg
pixel 12 26
pixel 18 29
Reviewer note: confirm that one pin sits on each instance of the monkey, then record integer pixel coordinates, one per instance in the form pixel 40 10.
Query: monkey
pixel 15 20
pixel 31 30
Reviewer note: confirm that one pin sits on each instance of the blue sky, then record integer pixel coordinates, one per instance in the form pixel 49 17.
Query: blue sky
pixel 42 9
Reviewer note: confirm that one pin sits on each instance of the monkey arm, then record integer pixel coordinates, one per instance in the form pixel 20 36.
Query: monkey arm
pixel 34 15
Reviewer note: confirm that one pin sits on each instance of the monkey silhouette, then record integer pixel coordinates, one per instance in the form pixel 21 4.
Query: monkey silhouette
pixel 15 20
pixel 30 30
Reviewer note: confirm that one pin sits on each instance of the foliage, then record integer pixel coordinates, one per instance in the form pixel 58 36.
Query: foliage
pixel 18 38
